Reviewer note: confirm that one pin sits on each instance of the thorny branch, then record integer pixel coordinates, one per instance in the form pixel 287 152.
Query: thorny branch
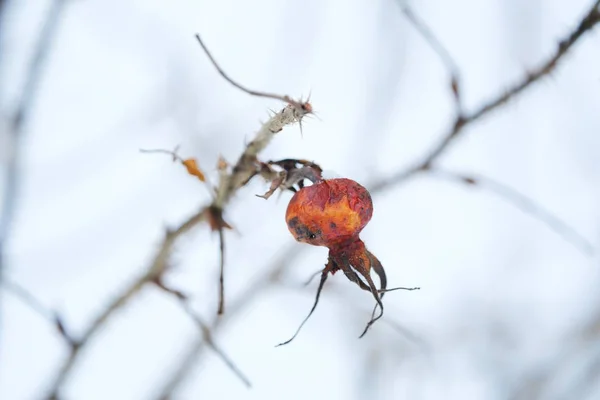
pixel 285 99
pixel 244 169
pixel 591 18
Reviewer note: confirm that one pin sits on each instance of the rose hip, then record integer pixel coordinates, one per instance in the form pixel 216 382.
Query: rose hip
pixel 332 213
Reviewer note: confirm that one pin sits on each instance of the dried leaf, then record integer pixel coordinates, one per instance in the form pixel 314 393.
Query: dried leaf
pixel 192 168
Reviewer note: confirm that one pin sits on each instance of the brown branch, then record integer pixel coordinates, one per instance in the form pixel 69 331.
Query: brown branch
pixel 437 46
pixel 153 273
pixel 262 284
pixel 521 201
pixel 246 166
pixel 285 99
pixel 221 272
pixel 33 303
pixel 244 170
pixel 205 330
pixel 589 21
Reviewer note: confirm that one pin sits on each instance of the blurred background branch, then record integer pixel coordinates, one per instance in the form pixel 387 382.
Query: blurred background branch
pixel 17 121
pixel 521 201
pixel 245 168
pixel 464 119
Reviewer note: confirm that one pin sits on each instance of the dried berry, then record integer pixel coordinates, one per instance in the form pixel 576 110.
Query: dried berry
pixel 332 213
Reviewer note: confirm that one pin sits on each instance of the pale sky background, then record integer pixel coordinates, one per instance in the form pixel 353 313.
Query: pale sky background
pixel 502 296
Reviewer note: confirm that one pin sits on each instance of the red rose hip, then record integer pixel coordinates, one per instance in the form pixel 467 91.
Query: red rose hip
pixel 332 213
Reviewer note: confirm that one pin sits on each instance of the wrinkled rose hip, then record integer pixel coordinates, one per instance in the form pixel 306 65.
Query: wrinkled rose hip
pixel 332 213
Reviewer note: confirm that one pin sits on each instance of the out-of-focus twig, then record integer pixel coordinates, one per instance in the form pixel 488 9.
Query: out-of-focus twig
pixel 28 299
pixel 152 274
pixel 205 330
pixel 589 21
pixel 521 201
pixel 261 285
pixel 16 122
pixel 244 169
pixel 439 49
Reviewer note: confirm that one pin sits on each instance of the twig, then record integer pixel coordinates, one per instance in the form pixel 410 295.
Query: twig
pixel 206 332
pixel 244 169
pixel 27 298
pixel 285 99
pixel 524 203
pixel 154 272
pixel 246 166
pixel 591 18
pixel 17 122
pixel 262 284
pixel 221 272
pixel 437 46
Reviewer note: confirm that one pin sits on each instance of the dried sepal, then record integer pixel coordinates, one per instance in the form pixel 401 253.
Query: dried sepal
pixel 291 173
pixel 275 184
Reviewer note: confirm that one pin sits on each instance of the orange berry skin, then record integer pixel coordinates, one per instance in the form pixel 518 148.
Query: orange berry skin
pixel 329 212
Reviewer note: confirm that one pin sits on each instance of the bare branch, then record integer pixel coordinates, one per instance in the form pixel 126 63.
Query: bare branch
pixel 221 271
pixel 247 167
pixel 260 286
pixel 51 316
pixel 298 104
pixel 244 169
pixel 589 21
pixel 205 330
pixel 437 46
pixel 154 272
pixel 521 201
